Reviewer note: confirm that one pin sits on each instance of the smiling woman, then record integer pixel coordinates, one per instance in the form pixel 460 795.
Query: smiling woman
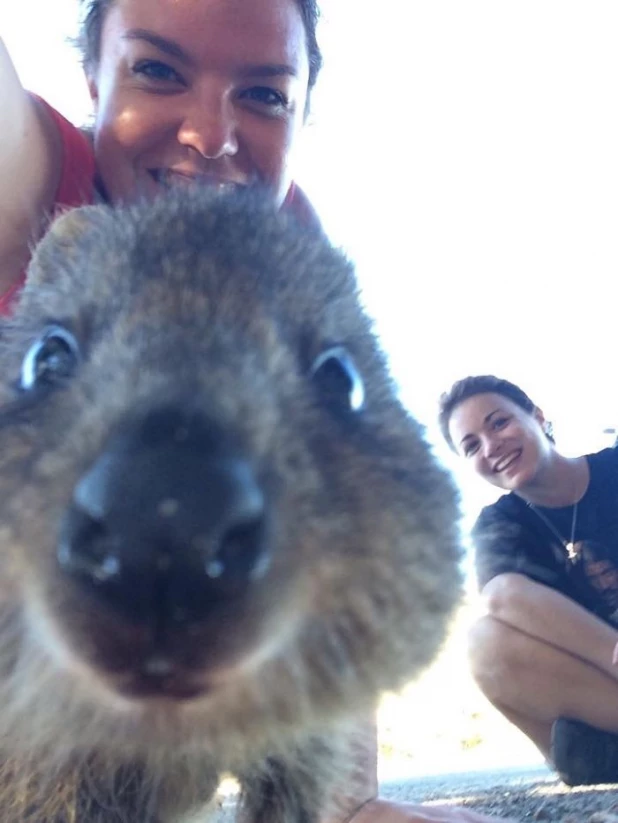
pixel 491 427
pixel 547 563
pixel 214 92
pixel 234 78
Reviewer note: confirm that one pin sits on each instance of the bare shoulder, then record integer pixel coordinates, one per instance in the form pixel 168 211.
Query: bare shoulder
pixel 29 151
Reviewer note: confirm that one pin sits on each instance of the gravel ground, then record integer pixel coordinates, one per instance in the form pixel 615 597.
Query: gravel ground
pixel 521 794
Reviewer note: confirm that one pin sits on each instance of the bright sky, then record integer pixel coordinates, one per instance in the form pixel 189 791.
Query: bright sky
pixel 465 153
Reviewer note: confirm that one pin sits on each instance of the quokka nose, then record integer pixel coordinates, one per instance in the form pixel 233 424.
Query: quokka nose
pixel 168 523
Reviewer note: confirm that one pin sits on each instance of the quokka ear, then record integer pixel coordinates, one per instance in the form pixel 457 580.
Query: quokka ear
pixel 69 223
pixel 60 242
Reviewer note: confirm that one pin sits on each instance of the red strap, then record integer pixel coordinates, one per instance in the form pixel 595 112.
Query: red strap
pixel 8 298
pixel 75 188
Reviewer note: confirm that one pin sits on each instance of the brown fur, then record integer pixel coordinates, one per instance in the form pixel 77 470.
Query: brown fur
pixel 224 304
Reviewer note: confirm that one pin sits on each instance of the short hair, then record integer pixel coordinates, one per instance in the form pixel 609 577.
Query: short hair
pixel 482 384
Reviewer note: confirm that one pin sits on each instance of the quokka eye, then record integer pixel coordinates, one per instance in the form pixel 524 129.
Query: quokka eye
pixel 50 360
pixel 339 379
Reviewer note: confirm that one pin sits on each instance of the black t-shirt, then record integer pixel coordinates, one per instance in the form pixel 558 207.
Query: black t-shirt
pixel 511 537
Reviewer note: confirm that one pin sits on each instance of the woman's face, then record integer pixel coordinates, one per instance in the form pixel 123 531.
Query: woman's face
pixel 207 90
pixel 505 444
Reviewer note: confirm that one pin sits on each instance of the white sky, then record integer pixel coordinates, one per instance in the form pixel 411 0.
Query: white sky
pixel 465 153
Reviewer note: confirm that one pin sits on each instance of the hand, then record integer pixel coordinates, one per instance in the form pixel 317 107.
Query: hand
pixel 385 811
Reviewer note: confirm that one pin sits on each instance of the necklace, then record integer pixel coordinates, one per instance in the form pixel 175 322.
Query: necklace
pixel 569 546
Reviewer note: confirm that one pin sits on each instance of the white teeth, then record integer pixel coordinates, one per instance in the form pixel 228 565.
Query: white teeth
pixel 506 462
pixel 174 179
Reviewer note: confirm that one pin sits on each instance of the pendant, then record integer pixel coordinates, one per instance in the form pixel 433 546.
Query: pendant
pixel 571 551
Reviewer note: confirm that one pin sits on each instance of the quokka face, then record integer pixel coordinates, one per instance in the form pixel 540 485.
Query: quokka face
pixel 220 528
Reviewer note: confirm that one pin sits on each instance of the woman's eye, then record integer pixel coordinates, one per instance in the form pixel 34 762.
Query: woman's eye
pixel 157 71
pixel 470 450
pixel 267 96
pixel 50 360
pixel 500 422
pixel 339 380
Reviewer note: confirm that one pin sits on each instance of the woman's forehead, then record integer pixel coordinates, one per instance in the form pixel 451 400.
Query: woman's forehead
pixel 475 412
pixel 253 31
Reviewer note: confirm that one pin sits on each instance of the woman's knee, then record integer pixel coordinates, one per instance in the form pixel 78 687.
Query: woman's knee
pixel 508 593
pixel 496 657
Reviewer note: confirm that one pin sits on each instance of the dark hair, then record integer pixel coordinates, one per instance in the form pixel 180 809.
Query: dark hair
pixel 93 17
pixel 483 384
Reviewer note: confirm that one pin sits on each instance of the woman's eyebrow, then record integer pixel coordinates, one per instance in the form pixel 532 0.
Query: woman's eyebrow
pixel 175 50
pixel 162 43
pixel 486 419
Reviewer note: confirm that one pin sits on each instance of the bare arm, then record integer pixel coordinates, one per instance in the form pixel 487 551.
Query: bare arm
pixel 386 811
pixel 29 171
pixel 547 615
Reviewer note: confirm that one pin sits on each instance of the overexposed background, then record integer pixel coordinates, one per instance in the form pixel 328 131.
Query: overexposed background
pixel 464 152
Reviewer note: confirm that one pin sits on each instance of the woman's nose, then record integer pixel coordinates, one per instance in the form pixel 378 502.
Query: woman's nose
pixel 491 446
pixel 209 128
